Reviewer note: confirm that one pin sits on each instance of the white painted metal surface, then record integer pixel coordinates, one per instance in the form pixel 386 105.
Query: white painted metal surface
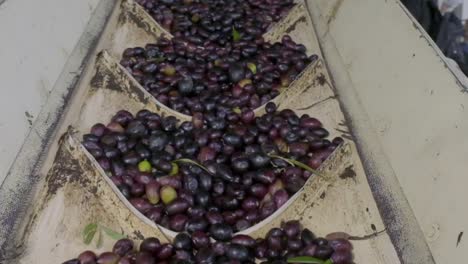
pixel 37 39
pixel 415 107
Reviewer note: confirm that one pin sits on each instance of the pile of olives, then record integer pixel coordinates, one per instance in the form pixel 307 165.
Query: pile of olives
pixel 220 22
pixel 233 170
pixel 279 245
pixel 212 79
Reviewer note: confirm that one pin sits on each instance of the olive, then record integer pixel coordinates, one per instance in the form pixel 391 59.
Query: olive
pixel 178 222
pixel 168 194
pixel 151 245
pixel 225 173
pixel 292 229
pixel 98 130
pixel 88 257
pixel 240 164
pixel 342 257
pixel 158 140
pixel 236 72
pixel 194 225
pixel 140 204
pixel 152 192
pixel 186 86
pixel 323 252
pixel 307 237
pixel 165 252
pixel 294 244
pixel 136 129
pixel 108 258
pixel 243 240
pixel 232 139
pixel 200 239
pixel 177 206
pixel 144 258
pixel 221 232
pixel 182 241
pixel 214 218
pixel 205 256
pixel 259 160
pixel 182 257
pixel 122 247
pixel 155 214
pixel 341 245
pixel 237 252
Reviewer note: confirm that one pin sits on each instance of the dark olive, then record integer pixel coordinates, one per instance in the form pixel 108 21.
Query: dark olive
pixel 182 241
pixel 151 245
pixel 221 232
pixel 200 239
pixel 243 240
pixel 122 247
pixel 88 257
pixel 108 258
pixel 205 256
pixel 237 252
pixel 144 258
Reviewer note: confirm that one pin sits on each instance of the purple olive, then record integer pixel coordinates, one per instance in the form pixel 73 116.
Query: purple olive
pixel 108 258
pixel 87 257
pixel 221 232
pixel 144 258
pixel 200 239
pixel 341 245
pixel 178 222
pixel 140 204
pixel 292 229
pixel 123 246
pixel 151 245
pixel 165 251
pixel 182 241
pixel 243 240
pixel 342 257
pixel 177 206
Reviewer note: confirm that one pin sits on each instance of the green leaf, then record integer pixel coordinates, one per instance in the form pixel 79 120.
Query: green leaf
pixel 306 259
pixel 236 36
pixel 89 232
pixel 296 163
pixel 329 261
pixel 113 234
pixel 194 163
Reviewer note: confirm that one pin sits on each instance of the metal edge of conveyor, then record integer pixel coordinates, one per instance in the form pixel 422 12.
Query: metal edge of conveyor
pixel 19 186
pixel 400 221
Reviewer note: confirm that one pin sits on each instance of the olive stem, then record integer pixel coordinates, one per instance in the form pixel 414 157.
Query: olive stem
pixel 194 163
pixel 308 260
pixel 296 163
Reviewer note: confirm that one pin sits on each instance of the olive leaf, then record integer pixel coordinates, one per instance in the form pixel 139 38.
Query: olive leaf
pixel 89 232
pixel 99 240
pixel 296 163
pixel 111 233
pixel 194 163
pixel 91 229
pixel 236 36
pixel 306 259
